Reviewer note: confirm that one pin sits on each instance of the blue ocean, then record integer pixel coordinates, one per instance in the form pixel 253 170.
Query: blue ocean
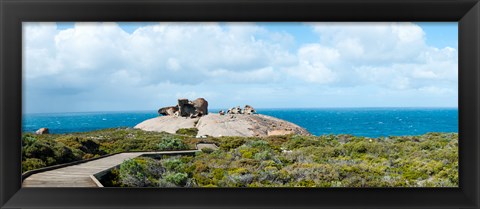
pixel 369 122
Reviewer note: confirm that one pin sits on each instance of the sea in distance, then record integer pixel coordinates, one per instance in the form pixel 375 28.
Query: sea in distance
pixel 368 122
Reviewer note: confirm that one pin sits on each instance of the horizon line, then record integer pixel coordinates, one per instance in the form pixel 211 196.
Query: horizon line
pixel 259 108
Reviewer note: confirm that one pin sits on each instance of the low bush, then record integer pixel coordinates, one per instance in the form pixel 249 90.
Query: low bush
pixel 32 163
pixel 187 131
pixel 171 143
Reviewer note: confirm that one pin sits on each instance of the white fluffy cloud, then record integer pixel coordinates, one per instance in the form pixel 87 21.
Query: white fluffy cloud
pixel 99 66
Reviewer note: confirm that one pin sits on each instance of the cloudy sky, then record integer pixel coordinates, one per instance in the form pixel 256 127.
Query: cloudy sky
pixel 81 67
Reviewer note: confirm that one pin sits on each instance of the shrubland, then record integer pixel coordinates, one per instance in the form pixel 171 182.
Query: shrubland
pixel 429 160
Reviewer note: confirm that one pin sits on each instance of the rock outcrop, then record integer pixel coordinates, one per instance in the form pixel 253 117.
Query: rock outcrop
pixel 247 110
pixel 42 131
pixel 217 125
pixel 234 110
pixel 170 110
pixel 201 106
pixel 239 122
pixel 279 132
pixel 186 108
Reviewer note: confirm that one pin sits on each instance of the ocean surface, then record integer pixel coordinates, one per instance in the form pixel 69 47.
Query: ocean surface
pixel 369 122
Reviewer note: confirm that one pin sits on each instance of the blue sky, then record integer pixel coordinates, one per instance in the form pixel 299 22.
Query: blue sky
pixel 81 67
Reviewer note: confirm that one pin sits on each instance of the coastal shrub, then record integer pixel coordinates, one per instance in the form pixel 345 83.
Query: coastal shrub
pixel 32 163
pixel 289 161
pixel 140 172
pixel 90 146
pixel 28 139
pixel 70 140
pixel 133 174
pixel 111 179
pixel 171 143
pixel 187 131
pixel 298 141
pixel 173 164
pixel 38 149
pixel 64 154
pixel 238 180
pixel 229 143
pixel 207 150
pixel 178 179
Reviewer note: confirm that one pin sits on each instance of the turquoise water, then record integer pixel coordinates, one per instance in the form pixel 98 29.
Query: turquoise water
pixel 370 122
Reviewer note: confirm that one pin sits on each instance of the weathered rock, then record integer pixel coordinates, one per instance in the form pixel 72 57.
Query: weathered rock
pixel 221 112
pixel 201 106
pixel 169 124
pixel 42 131
pixel 170 110
pixel 249 110
pixel 185 109
pixel 216 125
pixel 279 132
pixel 235 110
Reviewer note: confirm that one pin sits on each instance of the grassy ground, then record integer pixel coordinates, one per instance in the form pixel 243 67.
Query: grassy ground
pixel 429 160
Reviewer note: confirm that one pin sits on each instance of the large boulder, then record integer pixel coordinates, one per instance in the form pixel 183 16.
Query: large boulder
pixel 42 131
pixel 170 110
pixel 201 106
pixel 186 109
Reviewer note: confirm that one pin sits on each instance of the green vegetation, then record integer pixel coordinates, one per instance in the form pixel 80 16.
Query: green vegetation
pixel 39 152
pixel 51 149
pixel 429 160
pixel 171 143
pixel 187 131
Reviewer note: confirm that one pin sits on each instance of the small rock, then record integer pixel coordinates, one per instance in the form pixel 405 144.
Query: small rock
pixel 42 131
pixel 279 132
pixel 235 110
pixel 249 110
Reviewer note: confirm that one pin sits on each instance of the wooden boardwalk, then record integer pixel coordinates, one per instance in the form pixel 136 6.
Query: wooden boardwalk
pixel 80 175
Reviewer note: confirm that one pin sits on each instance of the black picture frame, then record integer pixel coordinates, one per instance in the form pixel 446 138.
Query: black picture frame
pixel 14 12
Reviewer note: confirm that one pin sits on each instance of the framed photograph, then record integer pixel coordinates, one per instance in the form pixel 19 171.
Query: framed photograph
pixel 239 104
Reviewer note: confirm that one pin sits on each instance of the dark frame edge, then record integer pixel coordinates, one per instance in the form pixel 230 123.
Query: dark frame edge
pixel 8 184
pixel 469 45
pixel 3 197
pixel 10 106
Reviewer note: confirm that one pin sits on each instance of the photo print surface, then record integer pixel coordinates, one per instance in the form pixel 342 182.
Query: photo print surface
pixel 258 104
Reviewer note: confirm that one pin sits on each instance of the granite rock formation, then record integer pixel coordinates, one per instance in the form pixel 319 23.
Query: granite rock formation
pixel 42 131
pixel 239 122
pixel 170 110
pixel 201 106
pixel 186 108
pixel 217 125
pixel 248 110
pixel 235 110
